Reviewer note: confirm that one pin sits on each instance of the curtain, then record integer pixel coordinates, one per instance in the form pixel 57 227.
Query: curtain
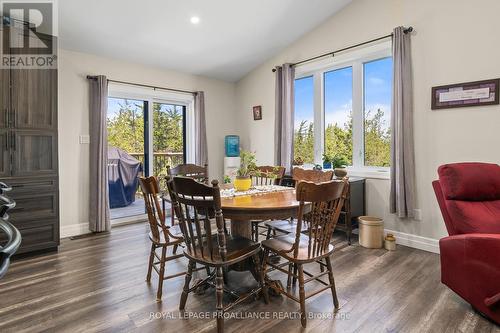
pixel 402 197
pixel 284 97
pixel 98 199
pixel 200 130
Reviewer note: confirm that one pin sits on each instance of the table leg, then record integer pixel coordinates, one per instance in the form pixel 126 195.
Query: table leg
pixel 242 228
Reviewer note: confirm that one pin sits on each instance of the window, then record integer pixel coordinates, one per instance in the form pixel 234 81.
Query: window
pixel 303 139
pixel 343 109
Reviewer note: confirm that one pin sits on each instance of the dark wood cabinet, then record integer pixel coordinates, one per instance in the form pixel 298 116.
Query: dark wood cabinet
pixel 28 159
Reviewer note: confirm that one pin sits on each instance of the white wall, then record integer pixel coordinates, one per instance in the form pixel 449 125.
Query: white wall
pixel 74 121
pixel 454 41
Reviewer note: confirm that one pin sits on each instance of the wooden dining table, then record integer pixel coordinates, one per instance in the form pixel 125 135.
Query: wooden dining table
pixel 241 210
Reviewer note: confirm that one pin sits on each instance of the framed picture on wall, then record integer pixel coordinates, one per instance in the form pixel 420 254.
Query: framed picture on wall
pixel 257 112
pixel 458 95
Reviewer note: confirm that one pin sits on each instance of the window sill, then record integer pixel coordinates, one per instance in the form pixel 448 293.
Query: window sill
pixel 371 174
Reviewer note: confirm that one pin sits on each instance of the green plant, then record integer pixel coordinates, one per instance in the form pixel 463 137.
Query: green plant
pixel 248 164
pixel 328 158
pixel 227 179
pixel 338 162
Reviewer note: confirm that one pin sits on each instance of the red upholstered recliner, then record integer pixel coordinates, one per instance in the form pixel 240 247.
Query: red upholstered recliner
pixel 469 197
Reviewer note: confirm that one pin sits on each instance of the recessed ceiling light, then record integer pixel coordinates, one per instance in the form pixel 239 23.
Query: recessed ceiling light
pixel 195 19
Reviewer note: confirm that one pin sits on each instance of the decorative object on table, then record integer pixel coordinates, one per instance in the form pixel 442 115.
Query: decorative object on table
pixel 257 112
pixel 371 232
pixel 339 166
pixel 298 161
pixel 317 167
pixel 227 179
pixel 232 143
pixel 243 182
pixel 458 95
pixel 390 242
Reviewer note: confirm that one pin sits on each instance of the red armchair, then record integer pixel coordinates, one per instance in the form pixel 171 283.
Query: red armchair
pixel 469 197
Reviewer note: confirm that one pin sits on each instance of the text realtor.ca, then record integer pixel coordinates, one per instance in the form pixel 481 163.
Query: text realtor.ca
pixel 28 40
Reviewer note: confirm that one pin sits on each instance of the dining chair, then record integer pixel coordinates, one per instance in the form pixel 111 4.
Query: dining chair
pixel 297 249
pixel 198 173
pixel 195 204
pixel 265 175
pixel 161 235
pixel 298 175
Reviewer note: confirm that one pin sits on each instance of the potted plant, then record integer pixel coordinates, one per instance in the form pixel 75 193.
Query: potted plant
pixel 327 161
pixel 339 166
pixel 243 182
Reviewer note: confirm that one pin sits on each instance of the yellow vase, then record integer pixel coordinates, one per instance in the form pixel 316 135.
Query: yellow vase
pixel 242 183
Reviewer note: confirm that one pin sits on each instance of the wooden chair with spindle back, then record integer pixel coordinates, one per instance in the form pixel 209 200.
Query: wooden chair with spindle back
pixel 195 204
pixel 298 249
pixel 198 173
pixel 266 175
pixel 161 235
pixel 298 175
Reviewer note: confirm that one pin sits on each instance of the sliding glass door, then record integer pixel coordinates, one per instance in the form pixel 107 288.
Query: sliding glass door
pixel 144 137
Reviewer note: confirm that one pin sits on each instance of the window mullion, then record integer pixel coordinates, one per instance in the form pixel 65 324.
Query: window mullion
pixel 319 120
pixel 357 116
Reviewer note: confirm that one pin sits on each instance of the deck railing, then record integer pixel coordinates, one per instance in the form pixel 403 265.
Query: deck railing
pixel 161 160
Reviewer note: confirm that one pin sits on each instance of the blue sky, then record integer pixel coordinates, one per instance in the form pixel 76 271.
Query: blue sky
pixel 338 92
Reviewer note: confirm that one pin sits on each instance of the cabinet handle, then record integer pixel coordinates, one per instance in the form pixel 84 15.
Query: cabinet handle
pixel 13 142
pixel 7 136
pixel 6 117
pixel 14 114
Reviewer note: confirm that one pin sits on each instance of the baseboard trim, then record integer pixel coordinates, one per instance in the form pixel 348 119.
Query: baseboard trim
pixel 416 242
pixel 74 230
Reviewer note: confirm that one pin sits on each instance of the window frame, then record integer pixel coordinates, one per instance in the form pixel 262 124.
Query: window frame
pixel 355 59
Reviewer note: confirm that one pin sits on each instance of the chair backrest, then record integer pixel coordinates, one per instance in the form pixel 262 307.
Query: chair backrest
pixel 315 176
pixel 195 204
pixel 326 200
pixel 268 175
pixel 156 218
pixel 469 197
pixel 198 173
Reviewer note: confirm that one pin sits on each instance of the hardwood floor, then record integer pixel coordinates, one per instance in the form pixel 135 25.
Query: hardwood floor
pixel 97 284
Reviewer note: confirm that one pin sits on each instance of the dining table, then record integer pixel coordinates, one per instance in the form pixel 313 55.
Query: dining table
pixel 263 203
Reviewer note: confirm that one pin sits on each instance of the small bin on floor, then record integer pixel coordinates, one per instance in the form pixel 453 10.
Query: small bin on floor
pixel 371 232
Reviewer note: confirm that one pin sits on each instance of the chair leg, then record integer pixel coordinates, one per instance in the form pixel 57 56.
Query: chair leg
pixel 260 273
pixel 289 280
pixel 302 297
pixel 219 293
pixel 151 261
pixel 172 215
pixel 187 281
pixel 294 274
pixel 332 282
pixel 321 267
pixel 268 236
pixel 207 268
pixel 174 250
pixel 161 275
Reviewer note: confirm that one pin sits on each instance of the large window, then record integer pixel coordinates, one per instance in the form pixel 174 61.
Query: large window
pixel 343 109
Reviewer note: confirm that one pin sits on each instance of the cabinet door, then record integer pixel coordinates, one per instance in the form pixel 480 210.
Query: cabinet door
pixel 34 99
pixel 34 153
pixel 5 153
pixel 4 97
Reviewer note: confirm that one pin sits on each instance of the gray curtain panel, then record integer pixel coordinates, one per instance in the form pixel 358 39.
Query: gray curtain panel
pixel 99 200
pixel 200 130
pixel 284 115
pixel 402 197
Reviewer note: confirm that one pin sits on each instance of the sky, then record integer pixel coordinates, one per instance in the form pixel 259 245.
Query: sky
pixel 338 93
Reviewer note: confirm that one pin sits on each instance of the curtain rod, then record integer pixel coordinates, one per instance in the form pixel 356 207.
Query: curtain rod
pixel 91 77
pixel 407 30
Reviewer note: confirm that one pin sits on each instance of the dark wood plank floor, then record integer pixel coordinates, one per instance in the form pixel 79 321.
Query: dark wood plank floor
pixel 96 284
